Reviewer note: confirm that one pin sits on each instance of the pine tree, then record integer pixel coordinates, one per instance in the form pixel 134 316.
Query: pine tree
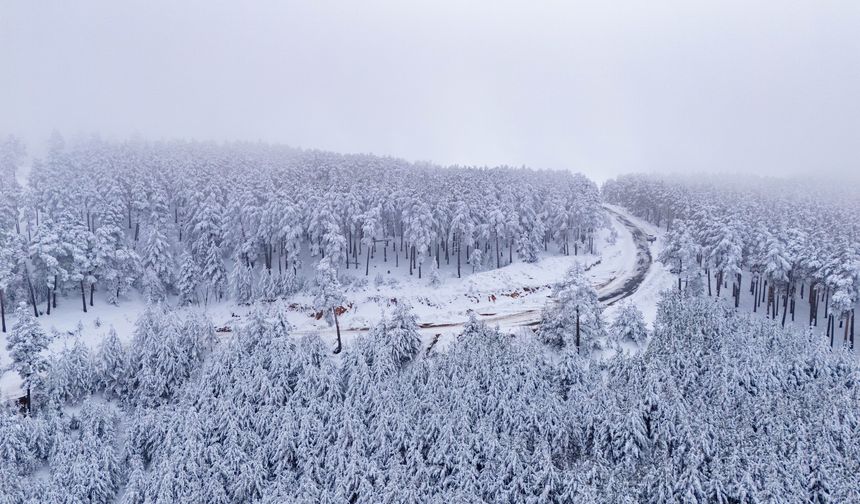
pixel 26 345
pixel 403 340
pixel 157 262
pixel 574 313
pixel 242 281
pixel 329 296
pixel 435 278
pixel 111 366
pixel 213 272
pixel 268 288
pixel 629 325
pixel 188 280
pixel 9 256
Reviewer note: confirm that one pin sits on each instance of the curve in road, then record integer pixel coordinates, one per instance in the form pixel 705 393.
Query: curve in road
pixel 610 293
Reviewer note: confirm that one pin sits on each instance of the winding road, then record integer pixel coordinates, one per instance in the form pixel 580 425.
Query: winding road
pixel 624 284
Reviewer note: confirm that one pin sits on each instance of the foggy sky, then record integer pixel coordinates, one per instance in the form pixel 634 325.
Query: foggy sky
pixel 603 87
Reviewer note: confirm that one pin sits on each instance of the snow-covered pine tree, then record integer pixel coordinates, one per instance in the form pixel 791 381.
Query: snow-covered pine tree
pixel 574 315
pixel 157 262
pixel 435 278
pixel 10 255
pixel 26 345
pixel 188 280
pixel 268 288
pixel 629 325
pixel 680 252
pixel 242 280
pixel 329 296
pixel 213 272
pixel 403 340
pixel 111 366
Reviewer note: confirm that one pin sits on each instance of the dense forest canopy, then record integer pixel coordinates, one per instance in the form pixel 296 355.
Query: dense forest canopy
pixel 202 220
pixel 711 404
pixel 719 407
pixel 796 239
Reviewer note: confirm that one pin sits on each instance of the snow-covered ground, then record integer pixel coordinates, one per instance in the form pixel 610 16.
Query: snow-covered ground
pixel 510 297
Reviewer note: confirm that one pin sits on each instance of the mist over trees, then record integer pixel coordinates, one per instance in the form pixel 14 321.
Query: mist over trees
pixel 207 221
pixel 798 241
pixel 712 403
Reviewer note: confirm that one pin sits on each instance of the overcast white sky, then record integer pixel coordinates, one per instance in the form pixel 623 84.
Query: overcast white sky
pixel 602 87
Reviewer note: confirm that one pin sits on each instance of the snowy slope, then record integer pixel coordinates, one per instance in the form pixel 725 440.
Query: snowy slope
pixel 510 297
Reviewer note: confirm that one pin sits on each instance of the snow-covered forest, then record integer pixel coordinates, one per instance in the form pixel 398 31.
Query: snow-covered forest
pixel 720 406
pixel 202 221
pixel 776 243
pixel 728 394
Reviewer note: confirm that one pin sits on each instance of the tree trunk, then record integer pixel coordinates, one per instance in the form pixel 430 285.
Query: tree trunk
pixel 83 297
pixel 774 293
pixel 337 330
pixel 785 306
pixel 708 271
pixel 2 311
pixel 755 295
pixel 92 291
pixel 719 282
pixel 458 257
pixel 577 329
pixel 367 265
pixel 852 329
pixel 738 291
pixel 29 400
pixel 32 292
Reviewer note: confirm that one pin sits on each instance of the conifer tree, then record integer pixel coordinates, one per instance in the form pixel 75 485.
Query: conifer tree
pixel 26 345
pixel 329 296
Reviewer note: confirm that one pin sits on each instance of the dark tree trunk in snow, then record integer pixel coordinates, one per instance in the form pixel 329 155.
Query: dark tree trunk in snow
pixel 2 311
pixel 719 282
pixel 852 330
pixel 83 297
pixel 32 292
pixel 738 291
pixel 785 306
pixel 755 295
pixel 708 271
pixel 458 257
pixel 337 330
